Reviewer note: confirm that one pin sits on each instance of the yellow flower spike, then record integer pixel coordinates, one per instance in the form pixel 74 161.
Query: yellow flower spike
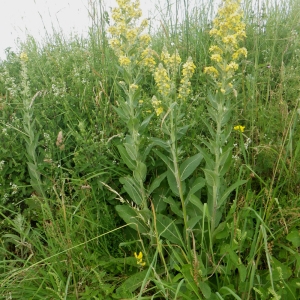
pixel 239 128
pixel 212 71
pixel 216 57
pixel 228 30
pixel 24 57
pixel 162 80
pixel 124 61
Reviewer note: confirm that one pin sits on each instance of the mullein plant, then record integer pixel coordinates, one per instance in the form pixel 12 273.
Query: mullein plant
pixel 132 47
pixel 30 133
pixel 227 33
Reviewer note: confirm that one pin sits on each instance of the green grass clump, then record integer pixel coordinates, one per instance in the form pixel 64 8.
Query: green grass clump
pixel 148 161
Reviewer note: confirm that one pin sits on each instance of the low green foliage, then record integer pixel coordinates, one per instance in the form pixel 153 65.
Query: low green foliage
pixel 154 165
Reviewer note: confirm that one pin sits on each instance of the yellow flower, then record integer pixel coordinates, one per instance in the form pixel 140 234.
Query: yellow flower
pixel 239 128
pixel 216 57
pixel 157 106
pixel 148 59
pixel 139 259
pixel 133 87
pixel 24 57
pixel 159 111
pixel 145 39
pixel 187 72
pixel 232 66
pixel 228 31
pixel 124 61
pixel 162 80
pixel 212 71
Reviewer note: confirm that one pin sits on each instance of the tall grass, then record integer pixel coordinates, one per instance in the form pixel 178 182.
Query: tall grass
pixel 82 194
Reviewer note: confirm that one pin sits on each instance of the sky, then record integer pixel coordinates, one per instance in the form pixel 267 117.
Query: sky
pixel 36 17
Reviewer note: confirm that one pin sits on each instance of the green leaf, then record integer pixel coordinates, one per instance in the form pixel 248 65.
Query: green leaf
pixel 209 127
pixel 196 201
pixel 205 289
pixel 165 159
pixel 167 229
pixel 156 182
pixel 209 162
pixel 126 158
pixel 186 270
pixel 229 190
pixel 225 161
pixel 132 217
pixel 145 124
pixel 222 231
pixel 197 185
pixel 175 207
pixel 189 166
pixel 279 270
pixel 294 238
pixel 193 221
pixel 132 187
pixel 172 182
pixel 140 172
pixel 131 150
pixel 181 131
pixel 160 143
pixel 211 177
pixel 132 283
pixel 243 272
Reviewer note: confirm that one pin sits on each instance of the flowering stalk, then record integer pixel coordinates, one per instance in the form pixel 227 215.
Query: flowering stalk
pixel 169 109
pixel 31 137
pixel 131 46
pixel 227 32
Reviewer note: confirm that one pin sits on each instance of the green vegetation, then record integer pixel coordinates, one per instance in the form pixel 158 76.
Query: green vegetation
pixel 154 162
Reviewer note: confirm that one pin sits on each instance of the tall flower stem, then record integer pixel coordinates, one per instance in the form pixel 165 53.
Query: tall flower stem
pixel 177 172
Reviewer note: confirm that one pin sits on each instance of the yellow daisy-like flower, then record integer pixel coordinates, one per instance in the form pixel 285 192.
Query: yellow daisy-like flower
pixel 239 128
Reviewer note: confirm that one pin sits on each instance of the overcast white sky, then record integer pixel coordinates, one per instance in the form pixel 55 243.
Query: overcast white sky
pixel 19 17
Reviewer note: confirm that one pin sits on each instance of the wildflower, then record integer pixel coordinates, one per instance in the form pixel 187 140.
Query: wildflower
pixel 157 106
pixel 212 71
pixel 148 59
pixel 126 35
pixel 139 259
pixel 240 52
pixel 133 87
pixel 239 128
pixel 162 80
pixel 216 57
pixel 131 34
pixel 170 61
pixel 232 66
pixel 145 39
pixel 124 60
pixel 228 31
pixel 187 72
pixel 24 57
